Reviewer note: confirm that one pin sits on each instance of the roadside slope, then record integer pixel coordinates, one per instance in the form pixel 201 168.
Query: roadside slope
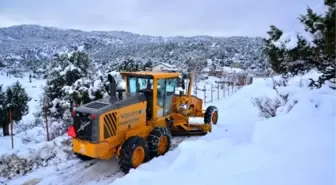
pixel 295 147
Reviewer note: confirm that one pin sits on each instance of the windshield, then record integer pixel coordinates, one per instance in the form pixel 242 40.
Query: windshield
pixel 135 84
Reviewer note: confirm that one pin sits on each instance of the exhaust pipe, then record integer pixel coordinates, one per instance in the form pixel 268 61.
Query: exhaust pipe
pixel 112 87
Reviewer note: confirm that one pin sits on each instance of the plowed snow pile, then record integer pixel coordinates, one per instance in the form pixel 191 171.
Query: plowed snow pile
pixel 295 147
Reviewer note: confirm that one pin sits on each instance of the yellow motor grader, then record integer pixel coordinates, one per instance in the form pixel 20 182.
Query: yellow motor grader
pixel 136 124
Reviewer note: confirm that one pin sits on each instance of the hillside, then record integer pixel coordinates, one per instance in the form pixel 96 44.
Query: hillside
pixel 31 44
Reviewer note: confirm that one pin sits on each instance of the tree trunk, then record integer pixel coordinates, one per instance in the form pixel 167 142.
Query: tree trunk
pixel 5 128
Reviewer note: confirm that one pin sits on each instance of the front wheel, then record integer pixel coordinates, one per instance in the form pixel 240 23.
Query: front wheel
pixel 211 115
pixel 159 141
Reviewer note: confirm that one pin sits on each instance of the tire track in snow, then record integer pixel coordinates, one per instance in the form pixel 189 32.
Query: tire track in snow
pixel 90 172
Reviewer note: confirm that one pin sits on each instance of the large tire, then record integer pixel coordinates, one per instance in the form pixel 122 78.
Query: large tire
pixel 133 153
pixel 83 157
pixel 211 115
pixel 159 141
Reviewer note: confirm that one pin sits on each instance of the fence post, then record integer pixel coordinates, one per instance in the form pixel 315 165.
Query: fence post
pixel 232 88
pixel 224 90
pixel 229 89
pixel 11 124
pixel 218 91
pixel 205 94
pixel 211 93
pixel 46 120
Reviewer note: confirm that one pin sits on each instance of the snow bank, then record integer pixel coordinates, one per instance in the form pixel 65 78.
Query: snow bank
pixel 22 160
pixel 34 91
pixel 295 147
pixel 30 147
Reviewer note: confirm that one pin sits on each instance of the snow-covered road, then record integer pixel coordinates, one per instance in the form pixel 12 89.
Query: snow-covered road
pixel 79 172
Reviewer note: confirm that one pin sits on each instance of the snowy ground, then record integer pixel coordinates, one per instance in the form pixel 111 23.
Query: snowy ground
pixel 293 148
pixel 34 90
pixel 296 148
pixel 78 172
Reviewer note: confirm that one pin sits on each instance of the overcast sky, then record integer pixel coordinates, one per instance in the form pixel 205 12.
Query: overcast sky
pixel 160 17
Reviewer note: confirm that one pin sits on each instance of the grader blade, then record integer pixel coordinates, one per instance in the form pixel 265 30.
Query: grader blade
pixel 191 130
pixel 188 133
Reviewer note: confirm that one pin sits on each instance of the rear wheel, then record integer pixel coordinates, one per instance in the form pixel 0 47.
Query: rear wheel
pixel 211 115
pixel 133 153
pixel 159 141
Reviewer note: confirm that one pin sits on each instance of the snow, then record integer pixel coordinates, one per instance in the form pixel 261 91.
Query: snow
pixel 288 41
pixel 233 70
pixel 161 66
pixel 121 84
pixel 164 64
pixel 295 147
pixel 34 90
pixel 70 67
pixel 97 85
pixel 206 70
pixel 81 48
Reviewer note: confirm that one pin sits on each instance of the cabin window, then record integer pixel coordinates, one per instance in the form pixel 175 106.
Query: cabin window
pixel 166 91
pixel 135 84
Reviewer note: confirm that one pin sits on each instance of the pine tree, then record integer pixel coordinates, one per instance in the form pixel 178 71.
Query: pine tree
pixel 70 80
pixel 131 65
pixel 2 64
pixel 314 52
pixel 15 99
pixel 148 64
pixel 56 80
pixel 3 112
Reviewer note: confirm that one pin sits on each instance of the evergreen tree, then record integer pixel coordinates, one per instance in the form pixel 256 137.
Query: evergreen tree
pixel 131 65
pixel 81 60
pixel 301 53
pixel 2 64
pixel 15 99
pixel 70 80
pixel 148 64
pixel 3 112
